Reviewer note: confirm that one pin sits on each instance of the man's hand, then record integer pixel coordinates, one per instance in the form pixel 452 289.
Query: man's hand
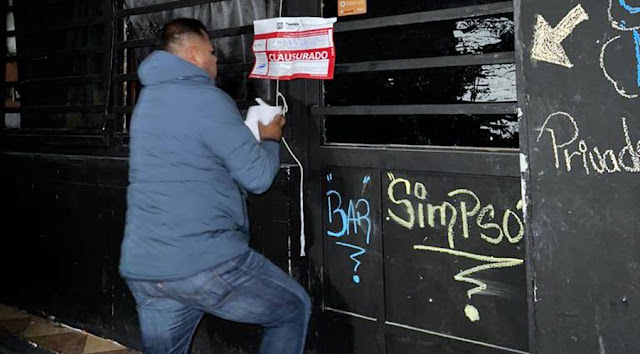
pixel 273 130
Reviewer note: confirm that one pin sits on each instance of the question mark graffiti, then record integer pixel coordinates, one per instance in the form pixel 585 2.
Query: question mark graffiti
pixel 355 215
pixel 356 277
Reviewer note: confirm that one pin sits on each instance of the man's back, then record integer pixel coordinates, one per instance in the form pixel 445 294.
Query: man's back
pixel 191 160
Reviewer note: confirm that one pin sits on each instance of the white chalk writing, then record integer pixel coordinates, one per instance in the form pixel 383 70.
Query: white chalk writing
pixel 589 159
pixel 411 209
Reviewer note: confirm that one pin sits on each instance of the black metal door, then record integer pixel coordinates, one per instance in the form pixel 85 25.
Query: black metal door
pixel 414 199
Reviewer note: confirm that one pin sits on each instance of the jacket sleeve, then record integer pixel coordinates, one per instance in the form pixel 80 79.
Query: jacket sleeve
pixel 252 164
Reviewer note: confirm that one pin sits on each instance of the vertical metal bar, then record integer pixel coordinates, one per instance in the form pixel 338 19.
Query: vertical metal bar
pixel 117 86
pixel 21 62
pixel 305 135
pixel 3 55
pixel 107 124
pixel 523 126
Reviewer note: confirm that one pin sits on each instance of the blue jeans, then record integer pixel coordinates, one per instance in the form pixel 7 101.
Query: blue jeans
pixel 248 288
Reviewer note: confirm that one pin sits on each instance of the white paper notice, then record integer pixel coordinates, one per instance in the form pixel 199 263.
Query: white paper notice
pixel 287 48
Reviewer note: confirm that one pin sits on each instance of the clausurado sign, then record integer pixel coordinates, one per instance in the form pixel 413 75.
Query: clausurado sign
pixel 287 48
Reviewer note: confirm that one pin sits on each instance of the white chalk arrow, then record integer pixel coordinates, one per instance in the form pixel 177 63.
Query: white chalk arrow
pixel 547 41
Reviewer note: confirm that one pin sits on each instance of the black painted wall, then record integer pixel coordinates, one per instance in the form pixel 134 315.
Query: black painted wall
pixel 581 145
pixel 62 227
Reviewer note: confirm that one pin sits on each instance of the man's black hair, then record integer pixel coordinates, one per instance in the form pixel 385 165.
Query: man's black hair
pixel 174 31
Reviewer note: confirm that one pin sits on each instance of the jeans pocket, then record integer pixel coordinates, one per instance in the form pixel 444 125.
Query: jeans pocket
pixel 140 292
pixel 242 268
pixel 203 290
pixel 213 303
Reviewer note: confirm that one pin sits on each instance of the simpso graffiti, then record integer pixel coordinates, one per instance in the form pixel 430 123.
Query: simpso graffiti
pixel 412 208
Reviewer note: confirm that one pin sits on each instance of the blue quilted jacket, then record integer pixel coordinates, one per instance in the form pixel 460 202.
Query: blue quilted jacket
pixel 192 162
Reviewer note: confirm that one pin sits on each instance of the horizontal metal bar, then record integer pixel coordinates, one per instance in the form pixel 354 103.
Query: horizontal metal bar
pixel 242 105
pixel 348 313
pixel 426 16
pixel 62 108
pixel 125 77
pixel 65 157
pixel 499 348
pixel 474 161
pixel 162 7
pixel 50 132
pixel 35 55
pixel 421 63
pixel 19 5
pixel 233 31
pixel 222 69
pixel 82 50
pixel 16 138
pixel 149 42
pixel 122 109
pixel 235 68
pixel 418 109
pixel 86 79
pixel 137 43
pixel 66 26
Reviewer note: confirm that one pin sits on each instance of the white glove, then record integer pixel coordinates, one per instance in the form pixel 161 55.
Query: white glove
pixel 262 113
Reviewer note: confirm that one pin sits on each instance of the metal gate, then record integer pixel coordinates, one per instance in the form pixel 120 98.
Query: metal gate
pixel 414 186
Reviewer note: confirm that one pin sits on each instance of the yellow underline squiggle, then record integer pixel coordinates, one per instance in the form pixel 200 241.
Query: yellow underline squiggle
pixel 493 262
